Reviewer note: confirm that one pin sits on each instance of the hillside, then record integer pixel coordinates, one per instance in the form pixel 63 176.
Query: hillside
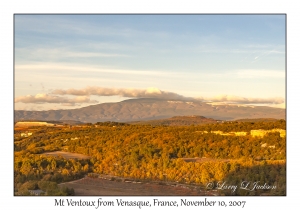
pixel 180 120
pixel 231 151
pixel 151 109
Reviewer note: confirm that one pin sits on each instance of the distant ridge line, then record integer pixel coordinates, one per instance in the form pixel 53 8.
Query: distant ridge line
pixel 151 109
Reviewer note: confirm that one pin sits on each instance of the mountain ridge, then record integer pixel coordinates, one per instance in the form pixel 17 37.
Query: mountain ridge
pixel 151 109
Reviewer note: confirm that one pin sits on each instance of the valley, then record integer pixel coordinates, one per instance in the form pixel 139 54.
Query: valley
pixel 162 155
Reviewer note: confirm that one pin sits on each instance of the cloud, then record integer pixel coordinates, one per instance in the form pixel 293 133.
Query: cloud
pixel 151 92
pixel 243 100
pixel 83 96
pixel 68 67
pixel 46 98
pixel 51 53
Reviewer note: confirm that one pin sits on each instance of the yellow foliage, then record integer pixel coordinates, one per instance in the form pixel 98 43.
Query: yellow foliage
pixel 262 133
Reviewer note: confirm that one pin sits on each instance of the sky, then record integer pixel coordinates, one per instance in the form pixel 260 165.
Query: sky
pixel 73 61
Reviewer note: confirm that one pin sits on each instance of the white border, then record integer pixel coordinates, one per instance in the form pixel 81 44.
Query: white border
pixel 8 8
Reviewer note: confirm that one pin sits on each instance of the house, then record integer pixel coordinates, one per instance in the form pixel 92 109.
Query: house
pixel 36 192
pixel 264 145
pixel 26 134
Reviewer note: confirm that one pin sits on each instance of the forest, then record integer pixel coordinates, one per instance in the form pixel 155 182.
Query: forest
pixel 147 152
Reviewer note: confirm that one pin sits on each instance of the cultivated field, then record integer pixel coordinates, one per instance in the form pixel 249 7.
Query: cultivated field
pixel 96 186
pixel 28 124
pixel 67 155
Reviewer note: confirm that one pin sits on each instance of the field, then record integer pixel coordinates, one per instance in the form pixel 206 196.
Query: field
pixel 67 155
pixel 28 124
pixel 97 186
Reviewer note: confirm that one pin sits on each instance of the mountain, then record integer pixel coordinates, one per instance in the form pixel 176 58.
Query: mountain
pixel 152 109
